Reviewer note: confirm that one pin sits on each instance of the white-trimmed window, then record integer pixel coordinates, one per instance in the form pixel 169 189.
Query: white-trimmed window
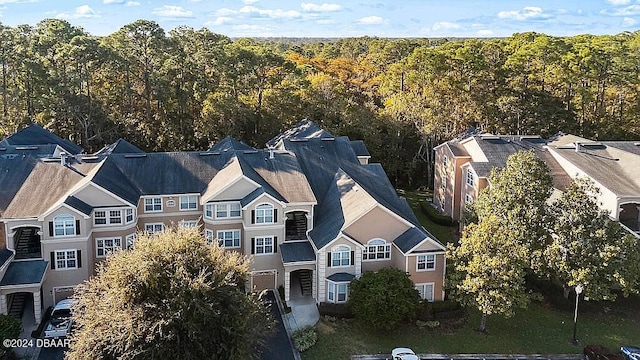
pixel 264 214
pixel 426 262
pixel 264 245
pixel 109 216
pixel 468 199
pixel 444 162
pixel 444 182
pixel 188 223
pixel 425 291
pixel 341 256
pixel 470 177
pixel 100 217
pixel 67 259
pixel 153 204
pixel 64 225
pixel 229 238
pixel 188 202
pixel 106 246
pixel 377 249
pixel 130 240
pixel 337 292
pixel 229 210
pixel 208 235
pixel 154 227
pixel 208 211
pixel 129 216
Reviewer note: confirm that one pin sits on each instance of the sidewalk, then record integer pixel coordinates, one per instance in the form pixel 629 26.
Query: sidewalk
pixel 28 326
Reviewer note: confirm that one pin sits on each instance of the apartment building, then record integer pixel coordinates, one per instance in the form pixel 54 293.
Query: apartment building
pixel 310 211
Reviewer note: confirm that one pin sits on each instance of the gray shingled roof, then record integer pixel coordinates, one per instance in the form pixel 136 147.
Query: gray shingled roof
pixel 297 251
pixel 409 239
pixel 34 134
pixel 79 205
pixel 341 277
pixel 360 148
pixel 498 149
pixel 24 273
pixel 230 144
pixel 47 183
pixel 628 146
pixel 13 174
pixel 121 146
pixel 5 255
pixel 40 151
pixel 303 129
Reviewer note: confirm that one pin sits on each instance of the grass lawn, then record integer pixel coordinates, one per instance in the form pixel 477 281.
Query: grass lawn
pixel 537 329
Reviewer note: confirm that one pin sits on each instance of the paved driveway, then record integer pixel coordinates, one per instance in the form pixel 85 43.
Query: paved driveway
pixel 278 346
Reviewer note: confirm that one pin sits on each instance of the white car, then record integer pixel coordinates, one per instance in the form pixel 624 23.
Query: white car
pixel 403 354
pixel 61 320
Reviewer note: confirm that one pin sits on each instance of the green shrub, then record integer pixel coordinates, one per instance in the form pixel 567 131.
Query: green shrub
pixel 304 338
pixel 10 328
pixel 341 311
pixel 434 215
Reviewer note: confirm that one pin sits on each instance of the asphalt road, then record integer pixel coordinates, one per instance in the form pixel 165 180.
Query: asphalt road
pixel 278 346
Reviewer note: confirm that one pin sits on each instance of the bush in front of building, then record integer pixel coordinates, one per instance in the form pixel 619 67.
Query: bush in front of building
pixel 10 328
pixel 340 311
pixel 434 215
pixel 304 338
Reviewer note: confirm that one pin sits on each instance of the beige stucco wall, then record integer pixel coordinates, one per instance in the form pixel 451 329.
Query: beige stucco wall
pixel 435 276
pixel 238 190
pixel 168 209
pixel 232 226
pixel 96 197
pixel 65 277
pixel 263 199
pixel 85 224
pixel 377 223
pixel 345 269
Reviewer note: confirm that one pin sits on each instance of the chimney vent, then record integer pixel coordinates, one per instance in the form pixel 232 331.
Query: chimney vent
pixel 63 158
pixel 270 153
pixel 578 145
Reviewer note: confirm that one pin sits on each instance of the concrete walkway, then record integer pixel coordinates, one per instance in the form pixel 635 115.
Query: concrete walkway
pixel 304 311
pixel 28 326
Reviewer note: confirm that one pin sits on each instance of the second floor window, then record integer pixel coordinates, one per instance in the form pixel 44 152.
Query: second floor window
pixel 264 245
pixel 110 217
pixel 153 204
pixel 66 259
pixel 470 178
pixel 229 238
pixel 154 227
pixel 129 213
pixel 264 214
pixel 223 211
pixel 105 247
pixel 341 256
pixel 64 225
pixel 426 262
pixel 188 202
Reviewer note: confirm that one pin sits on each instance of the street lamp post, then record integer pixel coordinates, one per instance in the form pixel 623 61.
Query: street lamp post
pixel 578 290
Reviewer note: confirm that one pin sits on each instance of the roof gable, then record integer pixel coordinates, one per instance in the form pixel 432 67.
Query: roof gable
pixel 35 134
pixel 303 129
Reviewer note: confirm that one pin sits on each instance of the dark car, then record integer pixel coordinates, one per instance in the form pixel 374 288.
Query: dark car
pixel 631 352
pixel 598 352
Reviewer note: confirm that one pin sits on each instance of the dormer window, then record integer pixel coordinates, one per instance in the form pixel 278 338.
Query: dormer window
pixel 341 256
pixel 153 204
pixel 64 225
pixel 188 202
pixel 377 249
pixel 264 214
pixel 470 177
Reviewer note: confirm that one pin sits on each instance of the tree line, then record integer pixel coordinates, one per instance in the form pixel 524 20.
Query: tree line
pixel 185 89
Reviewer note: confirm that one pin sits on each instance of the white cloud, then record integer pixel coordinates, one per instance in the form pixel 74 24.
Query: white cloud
pixel 172 11
pixel 325 7
pixel 484 33
pixel 2 2
pixel 225 12
pixel 221 20
pixel 325 22
pixel 629 22
pixel 81 12
pixel 250 2
pixel 618 2
pixel 132 3
pixel 444 25
pixel 370 20
pixel 630 10
pixel 270 13
pixel 527 13
pixel 112 1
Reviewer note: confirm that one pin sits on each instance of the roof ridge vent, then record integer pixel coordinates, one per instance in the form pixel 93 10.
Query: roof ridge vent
pixel 328 139
pixel 133 156
pixel 250 151
pixel 27 147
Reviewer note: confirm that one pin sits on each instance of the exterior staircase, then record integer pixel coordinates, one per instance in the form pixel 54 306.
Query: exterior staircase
pixel 296 229
pixel 16 306
pixel 306 282
pixel 27 244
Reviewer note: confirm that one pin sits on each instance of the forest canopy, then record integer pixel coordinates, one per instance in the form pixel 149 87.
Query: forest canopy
pixel 185 89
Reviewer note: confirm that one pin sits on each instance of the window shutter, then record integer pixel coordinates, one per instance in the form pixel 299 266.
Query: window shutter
pixel 275 215
pixel 51 228
pixel 79 258
pixel 275 244
pixel 328 259
pixel 353 257
pixel 53 259
pixel 253 217
pixel 253 245
pixel 77 227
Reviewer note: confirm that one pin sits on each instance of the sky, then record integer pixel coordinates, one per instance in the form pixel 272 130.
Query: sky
pixel 339 18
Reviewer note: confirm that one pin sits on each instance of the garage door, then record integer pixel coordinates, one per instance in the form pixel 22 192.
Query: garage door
pixel 263 280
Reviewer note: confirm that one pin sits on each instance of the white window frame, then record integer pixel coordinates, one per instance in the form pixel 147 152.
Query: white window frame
pixel 209 236
pixel 422 290
pixel 64 222
pixel 101 244
pixel 153 202
pixel 425 260
pixel 130 241
pixel 66 259
pixel 188 202
pixel 264 245
pixel 468 199
pixel 225 210
pixel 109 216
pixel 444 182
pixel 338 256
pixel 129 213
pixel 185 224
pixel 470 180
pixel 209 210
pixel 333 292
pixel 153 227
pixel 445 161
pixel 262 211
pixel 223 239
pixel 376 247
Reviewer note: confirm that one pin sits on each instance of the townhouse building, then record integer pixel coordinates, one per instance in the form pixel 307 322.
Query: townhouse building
pixel 310 211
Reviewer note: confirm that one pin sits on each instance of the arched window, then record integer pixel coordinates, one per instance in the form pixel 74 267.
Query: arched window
pixel 377 249
pixel 341 256
pixel 64 225
pixel 264 214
